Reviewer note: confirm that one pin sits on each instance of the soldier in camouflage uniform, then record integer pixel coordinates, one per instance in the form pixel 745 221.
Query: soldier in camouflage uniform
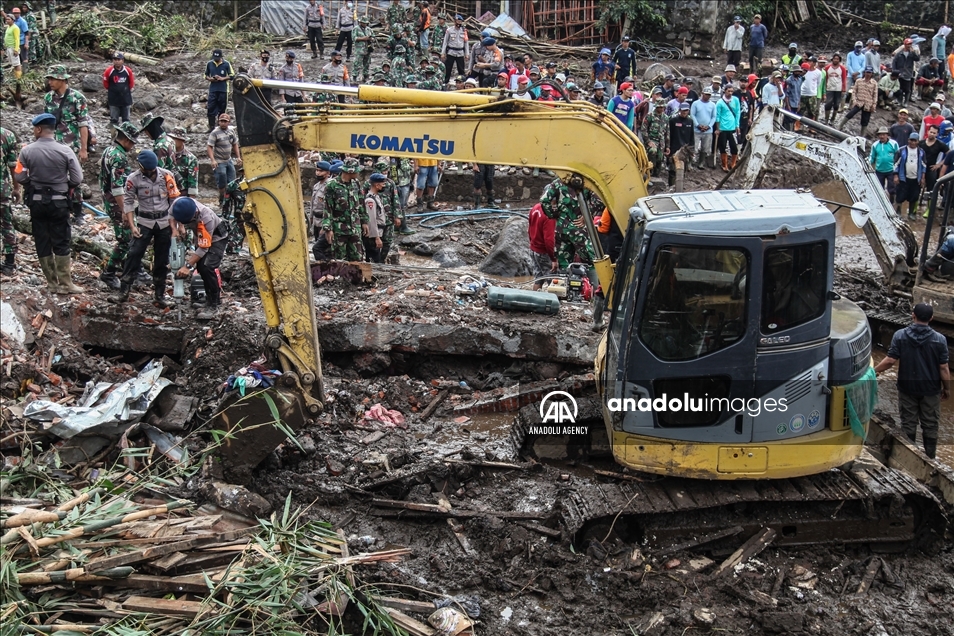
pixel 399 67
pixel 559 201
pixel 35 39
pixel 430 83
pixel 364 45
pixel 379 78
pixel 324 98
pixel 656 136
pixel 403 178
pixel 71 110
pixel 345 218
pixel 9 149
pixel 162 145
pixel 437 35
pixel 185 164
pixel 386 71
pixel 411 81
pixel 114 167
pixel 395 13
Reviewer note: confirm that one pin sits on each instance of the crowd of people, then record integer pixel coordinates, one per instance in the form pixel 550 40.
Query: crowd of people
pixel 358 206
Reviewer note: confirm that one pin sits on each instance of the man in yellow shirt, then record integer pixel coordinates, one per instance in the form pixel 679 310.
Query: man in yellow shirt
pixel 11 42
pixel 428 176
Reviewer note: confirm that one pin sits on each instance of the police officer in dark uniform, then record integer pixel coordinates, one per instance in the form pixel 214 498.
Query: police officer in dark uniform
pixel 49 171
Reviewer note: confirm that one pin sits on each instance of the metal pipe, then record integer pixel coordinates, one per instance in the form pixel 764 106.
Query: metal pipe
pixel 384 94
pixel 932 212
pixel 811 123
pixel 590 227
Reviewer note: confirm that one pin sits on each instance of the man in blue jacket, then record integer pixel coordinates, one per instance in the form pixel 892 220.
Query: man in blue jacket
pixel 909 175
pixel 758 35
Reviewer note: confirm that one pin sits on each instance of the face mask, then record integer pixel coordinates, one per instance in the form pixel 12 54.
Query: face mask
pixel 350 5
pixel 264 58
pixel 336 61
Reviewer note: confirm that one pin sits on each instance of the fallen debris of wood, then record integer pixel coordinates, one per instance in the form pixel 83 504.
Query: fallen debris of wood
pixel 758 542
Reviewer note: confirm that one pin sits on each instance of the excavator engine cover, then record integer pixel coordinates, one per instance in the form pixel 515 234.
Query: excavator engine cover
pixel 246 443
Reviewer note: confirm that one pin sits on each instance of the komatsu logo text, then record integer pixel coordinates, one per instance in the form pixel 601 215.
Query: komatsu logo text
pixel 419 145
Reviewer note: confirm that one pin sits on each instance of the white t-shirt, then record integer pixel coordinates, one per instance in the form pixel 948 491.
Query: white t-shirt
pixel 911 165
pixel 834 79
pixel 810 85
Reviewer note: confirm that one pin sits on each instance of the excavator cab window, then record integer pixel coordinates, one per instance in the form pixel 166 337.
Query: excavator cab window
pixel 793 290
pixel 696 301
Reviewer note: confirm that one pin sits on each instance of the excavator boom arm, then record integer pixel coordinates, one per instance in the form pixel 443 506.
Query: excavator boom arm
pixel 889 238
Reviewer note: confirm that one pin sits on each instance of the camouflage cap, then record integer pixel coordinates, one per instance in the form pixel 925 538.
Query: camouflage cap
pixel 379 77
pixel 430 69
pixel 147 119
pixel 400 49
pixel 381 165
pixel 660 103
pixel 57 71
pixel 363 19
pixel 351 165
pixel 411 79
pixel 127 129
pixel 385 63
pixel 178 133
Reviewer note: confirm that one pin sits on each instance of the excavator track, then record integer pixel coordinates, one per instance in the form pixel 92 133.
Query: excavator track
pixel 865 502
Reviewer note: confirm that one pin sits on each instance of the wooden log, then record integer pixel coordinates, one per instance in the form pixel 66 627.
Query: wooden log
pixel 436 402
pixel 32 516
pixel 164 606
pixel 758 542
pixel 74 575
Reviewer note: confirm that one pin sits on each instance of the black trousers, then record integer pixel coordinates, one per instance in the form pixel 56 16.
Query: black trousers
pixel 316 38
pixel 727 137
pixel 373 254
pixel 854 110
pixel 218 101
pixel 910 191
pixel 484 175
pixel 207 267
pixel 51 227
pixel 453 60
pixel 137 249
pixel 322 248
pixel 734 57
pixel 344 36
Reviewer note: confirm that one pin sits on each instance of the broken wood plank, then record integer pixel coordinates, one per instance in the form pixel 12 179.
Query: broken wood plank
pixel 196 561
pixel 700 541
pixel 779 580
pixel 536 527
pixel 458 531
pixel 404 605
pixel 410 505
pixel 486 464
pixel 153 552
pixel 436 402
pixel 873 566
pixel 758 542
pixel 194 583
pixel 410 625
pixel 164 606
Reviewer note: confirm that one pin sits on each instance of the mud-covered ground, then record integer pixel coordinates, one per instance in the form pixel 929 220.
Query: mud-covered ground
pixel 530 581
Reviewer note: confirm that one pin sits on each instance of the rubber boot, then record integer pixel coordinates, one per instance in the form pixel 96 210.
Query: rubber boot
pixel 491 201
pixel 64 274
pixel 110 278
pixel 122 295
pixel 476 200
pixel 49 271
pixel 842 124
pixel 430 203
pixel 9 267
pixel 161 301
pixel 735 162
pixel 863 132
pixel 725 161
pixel 930 447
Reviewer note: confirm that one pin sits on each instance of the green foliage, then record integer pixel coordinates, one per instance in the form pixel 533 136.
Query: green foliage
pixel 146 29
pixel 648 14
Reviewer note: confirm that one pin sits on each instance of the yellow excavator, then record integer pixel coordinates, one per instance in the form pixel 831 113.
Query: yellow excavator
pixel 727 354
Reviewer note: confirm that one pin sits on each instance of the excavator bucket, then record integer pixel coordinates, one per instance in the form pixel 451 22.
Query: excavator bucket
pixel 254 425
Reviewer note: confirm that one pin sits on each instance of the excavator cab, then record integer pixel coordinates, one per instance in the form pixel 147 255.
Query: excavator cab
pixel 725 336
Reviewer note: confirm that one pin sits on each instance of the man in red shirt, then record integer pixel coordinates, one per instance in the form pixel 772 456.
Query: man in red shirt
pixel 119 81
pixel 542 245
